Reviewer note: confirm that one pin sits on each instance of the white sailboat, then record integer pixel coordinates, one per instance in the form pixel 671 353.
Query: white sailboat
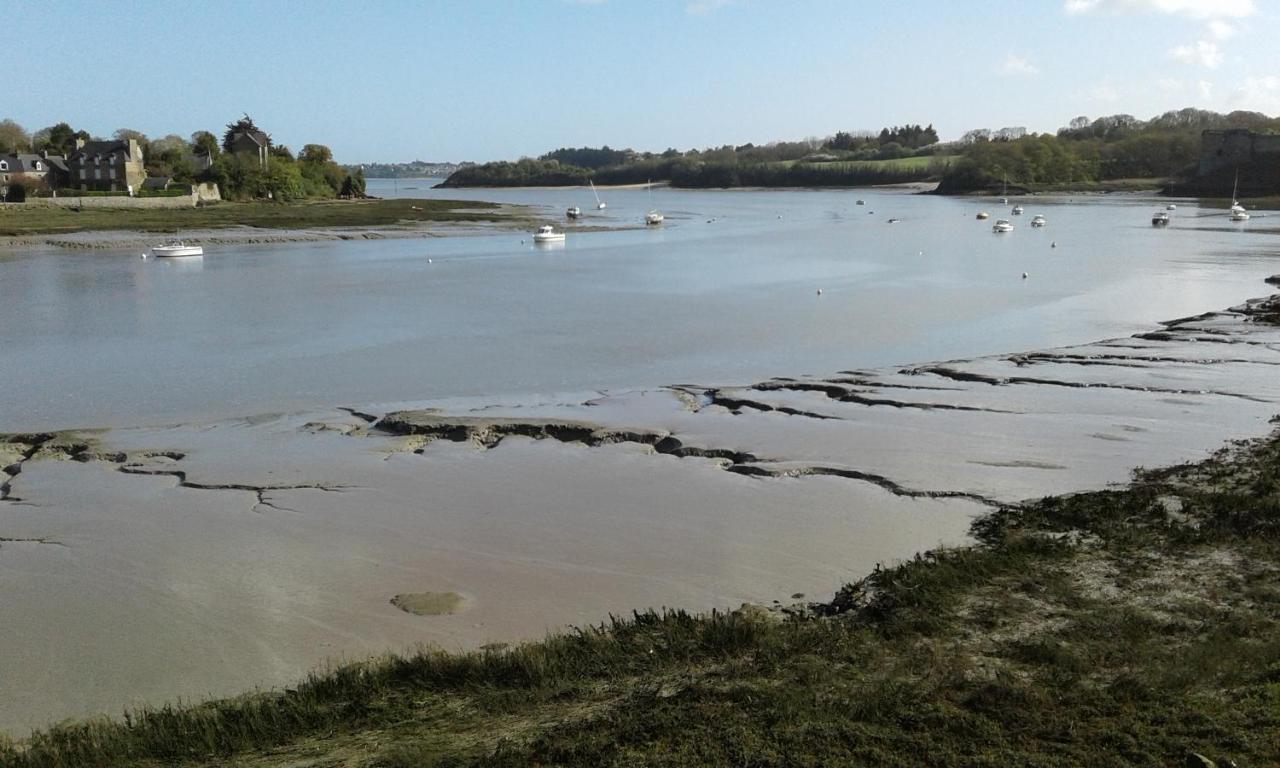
pixel 653 216
pixel 1238 213
pixel 599 205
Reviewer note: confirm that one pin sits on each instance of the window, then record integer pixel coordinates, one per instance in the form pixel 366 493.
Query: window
pixel 39 167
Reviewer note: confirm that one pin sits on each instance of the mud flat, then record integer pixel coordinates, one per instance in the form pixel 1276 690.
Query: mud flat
pixel 196 560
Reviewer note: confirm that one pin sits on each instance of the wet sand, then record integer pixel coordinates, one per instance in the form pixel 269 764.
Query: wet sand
pixel 145 565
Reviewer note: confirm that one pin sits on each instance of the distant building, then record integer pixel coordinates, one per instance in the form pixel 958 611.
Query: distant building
pixel 31 170
pixel 251 142
pixel 1236 148
pixel 113 165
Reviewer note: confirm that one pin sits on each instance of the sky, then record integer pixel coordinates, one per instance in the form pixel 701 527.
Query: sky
pixel 453 80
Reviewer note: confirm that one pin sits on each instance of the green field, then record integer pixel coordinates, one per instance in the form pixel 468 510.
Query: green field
pixel 20 219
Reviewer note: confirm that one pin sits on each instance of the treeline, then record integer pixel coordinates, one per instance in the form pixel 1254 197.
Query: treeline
pixel 203 157
pixel 1090 151
pixel 833 161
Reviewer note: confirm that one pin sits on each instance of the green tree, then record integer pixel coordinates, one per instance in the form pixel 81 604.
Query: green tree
pixel 205 143
pixel 315 153
pixel 58 139
pixel 13 137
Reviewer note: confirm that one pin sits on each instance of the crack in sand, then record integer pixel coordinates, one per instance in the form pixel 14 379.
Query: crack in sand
pixel 847 395
pixel 489 433
pixel 982 378
pixel 260 492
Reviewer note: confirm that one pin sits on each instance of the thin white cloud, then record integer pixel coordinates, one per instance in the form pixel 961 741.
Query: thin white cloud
pixel 1260 94
pixel 1169 84
pixel 1221 30
pixel 1019 66
pixel 1104 93
pixel 1206 89
pixel 1196 9
pixel 1204 53
pixel 700 7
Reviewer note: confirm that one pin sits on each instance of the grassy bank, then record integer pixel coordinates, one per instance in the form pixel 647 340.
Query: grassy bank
pixel 1123 627
pixel 20 220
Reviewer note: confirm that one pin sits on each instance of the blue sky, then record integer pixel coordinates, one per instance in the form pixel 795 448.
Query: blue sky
pixel 386 80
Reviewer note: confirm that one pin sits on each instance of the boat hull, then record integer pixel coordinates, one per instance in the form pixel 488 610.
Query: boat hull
pixel 173 251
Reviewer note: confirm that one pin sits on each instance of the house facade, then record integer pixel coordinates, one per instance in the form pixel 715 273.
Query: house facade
pixel 33 170
pixel 251 142
pixel 113 165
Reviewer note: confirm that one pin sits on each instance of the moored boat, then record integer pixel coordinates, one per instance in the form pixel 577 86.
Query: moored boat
pixel 547 234
pixel 1017 210
pixel 1002 225
pixel 982 215
pixel 1038 220
pixel 1159 219
pixel 176 248
pixel 573 212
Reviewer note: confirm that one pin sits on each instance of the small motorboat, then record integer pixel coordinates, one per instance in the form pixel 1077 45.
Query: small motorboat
pixel 176 248
pixel 547 234
pixel 1017 210
pixel 653 217
pixel 1159 219
pixel 1171 207
pixel 860 202
pixel 982 215
pixel 1002 225
pixel 894 221
pixel 573 212
pixel 1038 220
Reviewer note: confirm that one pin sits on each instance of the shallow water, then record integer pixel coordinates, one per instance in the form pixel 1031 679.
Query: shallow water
pixel 725 290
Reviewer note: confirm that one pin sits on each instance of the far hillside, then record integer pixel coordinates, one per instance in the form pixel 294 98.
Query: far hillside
pixel 894 155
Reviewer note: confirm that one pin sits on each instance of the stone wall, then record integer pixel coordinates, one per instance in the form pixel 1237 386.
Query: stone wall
pixel 1235 148
pixel 202 193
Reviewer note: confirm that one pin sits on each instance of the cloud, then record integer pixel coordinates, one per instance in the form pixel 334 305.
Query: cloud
pixel 701 7
pixel 1103 92
pixel 1202 52
pixel 1206 89
pixel 1261 94
pixel 1017 65
pixel 1196 9
pixel 1169 84
pixel 1221 30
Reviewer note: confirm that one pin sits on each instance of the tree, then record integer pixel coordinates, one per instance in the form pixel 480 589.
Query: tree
pixel 125 134
pixel 205 143
pixel 58 139
pixel 13 137
pixel 315 153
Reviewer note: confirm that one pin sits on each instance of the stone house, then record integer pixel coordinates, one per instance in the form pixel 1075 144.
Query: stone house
pixel 251 142
pixel 112 165
pixel 33 170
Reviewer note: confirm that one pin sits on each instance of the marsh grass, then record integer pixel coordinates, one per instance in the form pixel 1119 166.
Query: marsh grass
pixel 1114 628
pixel 21 220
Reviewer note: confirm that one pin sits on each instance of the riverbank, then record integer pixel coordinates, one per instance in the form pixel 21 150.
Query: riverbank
pixel 871 466
pixel 1126 626
pixel 23 226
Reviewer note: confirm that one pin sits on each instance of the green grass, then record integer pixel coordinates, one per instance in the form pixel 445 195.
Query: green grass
pixel 22 220
pixel 1116 628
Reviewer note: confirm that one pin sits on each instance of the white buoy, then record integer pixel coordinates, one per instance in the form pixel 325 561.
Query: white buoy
pixel 1024 275
pixel 142 256
pixel 428 261
pixel 1054 244
pixel 819 291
